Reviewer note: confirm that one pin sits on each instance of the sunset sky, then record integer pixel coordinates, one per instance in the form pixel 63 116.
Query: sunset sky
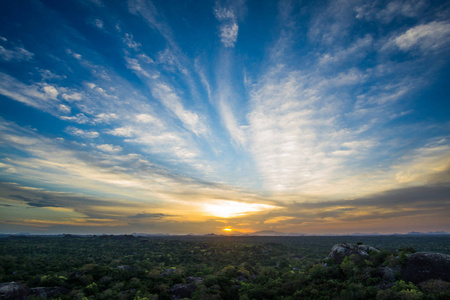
pixel 193 116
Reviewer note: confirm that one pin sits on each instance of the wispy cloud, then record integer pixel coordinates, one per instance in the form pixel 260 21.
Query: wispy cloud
pixel 82 133
pixel 297 137
pixel 109 148
pixel 388 11
pixel 105 172
pixel 427 37
pixel 42 97
pixel 228 25
pixel 190 119
pixel 13 52
pixel 148 11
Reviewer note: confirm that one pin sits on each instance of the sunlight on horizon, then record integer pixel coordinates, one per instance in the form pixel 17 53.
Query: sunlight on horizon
pixel 229 209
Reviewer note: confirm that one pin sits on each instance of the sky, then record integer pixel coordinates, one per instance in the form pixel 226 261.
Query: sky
pixel 227 117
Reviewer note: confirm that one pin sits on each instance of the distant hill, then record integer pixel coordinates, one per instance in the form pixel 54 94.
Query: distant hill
pixel 268 233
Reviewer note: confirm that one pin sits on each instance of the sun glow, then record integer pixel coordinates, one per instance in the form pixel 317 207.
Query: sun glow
pixel 227 229
pixel 229 209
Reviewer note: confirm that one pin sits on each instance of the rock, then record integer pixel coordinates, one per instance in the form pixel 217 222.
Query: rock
pixel 423 266
pixel 388 274
pixel 167 272
pixel 126 268
pixel 50 292
pixel 14 291
pixel 182 290
pixel 388 277
pixel 185 290
pixel 340 251
pixel 194 280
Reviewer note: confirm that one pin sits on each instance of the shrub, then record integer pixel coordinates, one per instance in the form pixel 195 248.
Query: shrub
pixel 411 295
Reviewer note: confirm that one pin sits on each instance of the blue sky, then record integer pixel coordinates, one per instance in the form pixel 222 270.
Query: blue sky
pixel 195 116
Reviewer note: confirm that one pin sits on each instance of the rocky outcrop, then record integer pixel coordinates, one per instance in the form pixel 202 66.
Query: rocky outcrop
pixel 423 266
pixel 185 290
pixel 18 291
pixel 14 291
pixel 49 292
pixel 182 290
pixel 340 251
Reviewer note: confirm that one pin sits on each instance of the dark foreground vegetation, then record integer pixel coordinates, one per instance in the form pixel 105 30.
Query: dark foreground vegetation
pixel 128 267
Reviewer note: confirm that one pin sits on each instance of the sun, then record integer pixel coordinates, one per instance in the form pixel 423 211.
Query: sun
pixel 227 229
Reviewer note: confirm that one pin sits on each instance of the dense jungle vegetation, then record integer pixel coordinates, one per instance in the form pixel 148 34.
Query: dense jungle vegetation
pixel 219 267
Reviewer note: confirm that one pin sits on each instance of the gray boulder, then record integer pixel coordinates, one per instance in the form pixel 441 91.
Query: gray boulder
pixel 182 290
pixel 423 266
pixel 185 290
pixel 14 291
pixel 341 251
pixel 194 280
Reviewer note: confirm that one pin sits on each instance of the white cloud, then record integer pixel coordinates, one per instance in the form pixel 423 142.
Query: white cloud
pixel 72 97
pixel 130 42
pixel 348 54
pixel 164 93
pixel 64 108
pixel 223 13
pixel 122 131
pixel 165 143
pixel 47 74
pixel 421 164
pixel 166 57
pixel 51 91
pixel 401 8
pixel 229 28
pixel 105 118
pixel 236 131
pixel 99 90
pixel 109 148
pixel 15 54
pixel 393 10
pixel 144 57
pixel 98 23
pixel 172 101
pixel 82 133
pixel 30 95
pixel 204 80
pixel 73 54
pixel 295 132
pixel 331 25
pixel 78 118
pixel 427 37
pixel 229 34
pixel 133 64
pixel 147 118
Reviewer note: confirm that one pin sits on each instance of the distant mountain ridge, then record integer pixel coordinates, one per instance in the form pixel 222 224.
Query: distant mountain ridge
pixel 234 233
